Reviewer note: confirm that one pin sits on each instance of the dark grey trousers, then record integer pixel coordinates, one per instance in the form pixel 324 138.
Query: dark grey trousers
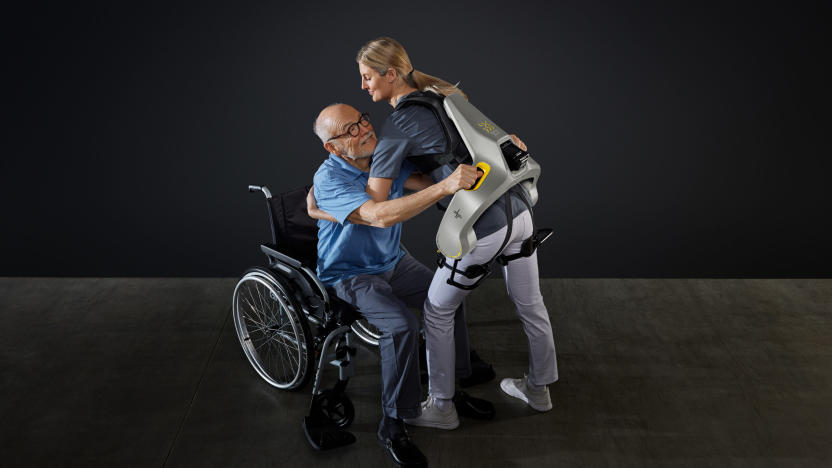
pixel 384 300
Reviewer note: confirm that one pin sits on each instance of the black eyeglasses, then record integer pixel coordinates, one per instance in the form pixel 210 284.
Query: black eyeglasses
pixel 353 129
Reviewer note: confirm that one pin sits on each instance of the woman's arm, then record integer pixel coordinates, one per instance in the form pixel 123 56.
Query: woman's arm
pixel 418 181
pixel 389 212
pixel 379 188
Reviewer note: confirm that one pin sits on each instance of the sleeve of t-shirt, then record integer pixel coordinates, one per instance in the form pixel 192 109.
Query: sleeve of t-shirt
pixel 407 169
pixel 391 150
pixel 339 196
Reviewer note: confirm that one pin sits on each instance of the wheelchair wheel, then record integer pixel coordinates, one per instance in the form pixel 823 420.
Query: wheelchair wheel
pixel 272 329
pixel 366 332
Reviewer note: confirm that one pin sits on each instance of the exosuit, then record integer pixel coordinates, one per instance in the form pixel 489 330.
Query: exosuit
pixel 505 168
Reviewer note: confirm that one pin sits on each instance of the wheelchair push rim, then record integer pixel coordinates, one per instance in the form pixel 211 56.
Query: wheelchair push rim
pixel 272 330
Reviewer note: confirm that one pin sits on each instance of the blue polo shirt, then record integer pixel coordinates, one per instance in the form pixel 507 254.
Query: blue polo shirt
pixel 346 249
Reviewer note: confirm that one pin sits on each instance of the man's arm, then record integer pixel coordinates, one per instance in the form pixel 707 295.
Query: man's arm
pixel 312 208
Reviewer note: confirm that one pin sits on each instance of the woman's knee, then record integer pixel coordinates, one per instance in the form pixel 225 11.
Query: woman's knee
pixel 439 313
pixel 526 299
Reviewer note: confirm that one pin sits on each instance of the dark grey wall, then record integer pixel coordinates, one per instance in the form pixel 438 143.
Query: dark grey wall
pixel 675 140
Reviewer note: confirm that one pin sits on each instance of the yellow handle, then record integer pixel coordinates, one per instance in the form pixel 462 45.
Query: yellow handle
pixel 485 170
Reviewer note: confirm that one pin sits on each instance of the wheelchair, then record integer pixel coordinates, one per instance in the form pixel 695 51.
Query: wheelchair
pixel 290 325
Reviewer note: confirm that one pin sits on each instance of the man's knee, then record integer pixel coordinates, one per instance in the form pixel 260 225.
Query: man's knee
pixel 403 323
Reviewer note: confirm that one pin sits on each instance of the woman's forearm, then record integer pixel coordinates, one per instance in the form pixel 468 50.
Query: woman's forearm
pixel 391 212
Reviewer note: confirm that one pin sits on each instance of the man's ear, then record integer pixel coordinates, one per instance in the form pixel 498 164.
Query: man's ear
pixel 329 146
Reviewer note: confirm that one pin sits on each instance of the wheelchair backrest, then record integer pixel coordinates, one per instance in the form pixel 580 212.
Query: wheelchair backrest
pixel 294 233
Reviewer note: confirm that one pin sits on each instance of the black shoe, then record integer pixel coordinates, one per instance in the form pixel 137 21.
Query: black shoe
pixel 397 442
pixel 481 372
pixel 475 408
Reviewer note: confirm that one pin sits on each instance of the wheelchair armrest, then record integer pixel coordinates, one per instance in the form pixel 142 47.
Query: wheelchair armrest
pixel 269 250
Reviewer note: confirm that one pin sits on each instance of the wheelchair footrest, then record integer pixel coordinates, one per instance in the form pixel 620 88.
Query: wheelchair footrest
pixel 325 436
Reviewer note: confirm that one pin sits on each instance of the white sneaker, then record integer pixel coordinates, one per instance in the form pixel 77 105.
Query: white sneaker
pixel 432 416
pixel 517 388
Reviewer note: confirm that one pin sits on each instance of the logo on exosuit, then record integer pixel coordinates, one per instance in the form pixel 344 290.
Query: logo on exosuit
pixel 488 127
pixel 456 214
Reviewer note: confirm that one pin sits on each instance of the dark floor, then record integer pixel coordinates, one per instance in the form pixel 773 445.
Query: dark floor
pixel 672 372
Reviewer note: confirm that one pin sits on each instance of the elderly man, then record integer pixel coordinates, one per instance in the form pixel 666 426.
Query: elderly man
pixel 360 257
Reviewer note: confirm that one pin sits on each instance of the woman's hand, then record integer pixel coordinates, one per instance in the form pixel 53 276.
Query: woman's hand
pixel 463 177
pixel 518 142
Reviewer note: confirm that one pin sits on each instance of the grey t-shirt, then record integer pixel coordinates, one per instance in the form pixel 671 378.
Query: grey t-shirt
pixel 414 130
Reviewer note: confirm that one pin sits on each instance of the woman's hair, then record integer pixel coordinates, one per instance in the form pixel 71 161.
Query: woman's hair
pixel 385 52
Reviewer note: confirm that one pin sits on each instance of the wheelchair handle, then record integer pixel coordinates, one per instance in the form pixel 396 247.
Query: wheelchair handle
pixel 257 188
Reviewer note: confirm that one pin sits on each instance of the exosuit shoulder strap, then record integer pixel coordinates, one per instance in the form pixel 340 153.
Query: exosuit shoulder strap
pixel 433 102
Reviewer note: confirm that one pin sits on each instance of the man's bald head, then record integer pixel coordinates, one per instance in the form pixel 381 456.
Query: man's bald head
pixel 328 118
pixel 333 125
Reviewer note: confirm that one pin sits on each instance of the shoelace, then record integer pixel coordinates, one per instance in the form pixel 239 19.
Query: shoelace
pixel 431 401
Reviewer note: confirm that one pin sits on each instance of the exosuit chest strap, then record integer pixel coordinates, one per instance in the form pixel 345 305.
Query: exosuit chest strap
pixel 455 150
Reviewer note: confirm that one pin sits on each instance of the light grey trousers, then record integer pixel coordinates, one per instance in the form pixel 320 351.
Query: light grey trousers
pixel 523 285
pixel 384 300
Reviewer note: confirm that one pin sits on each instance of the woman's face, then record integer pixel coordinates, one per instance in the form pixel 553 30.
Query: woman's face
pixel 375 84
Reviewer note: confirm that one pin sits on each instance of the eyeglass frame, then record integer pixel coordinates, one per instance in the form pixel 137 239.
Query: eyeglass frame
pixel 365 116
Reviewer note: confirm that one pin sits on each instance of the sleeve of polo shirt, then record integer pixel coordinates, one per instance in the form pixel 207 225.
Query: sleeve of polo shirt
pixel 391 150
pixel 339 194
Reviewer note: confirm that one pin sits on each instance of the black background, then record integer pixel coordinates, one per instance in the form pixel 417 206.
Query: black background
pixel 676 140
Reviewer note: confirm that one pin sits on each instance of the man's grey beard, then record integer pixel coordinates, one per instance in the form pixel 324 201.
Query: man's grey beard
pixel 363 155
pixel 359 156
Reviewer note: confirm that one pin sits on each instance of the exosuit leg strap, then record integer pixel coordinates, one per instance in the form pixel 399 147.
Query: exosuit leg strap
pixel 481 272
pixel 478 271
pixel 531 244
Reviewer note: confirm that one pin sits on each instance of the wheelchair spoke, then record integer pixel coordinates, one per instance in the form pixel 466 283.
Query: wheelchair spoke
pixel 255 311
pixel 254 326
pixel 283 341
pixel 288 349
pixel 286 368
pixel 286 342
pixel 259 326
pixel 260 329
pixel 281 344
pixel 263 306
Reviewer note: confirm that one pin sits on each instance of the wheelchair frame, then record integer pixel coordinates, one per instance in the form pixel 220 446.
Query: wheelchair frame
pixel 287 323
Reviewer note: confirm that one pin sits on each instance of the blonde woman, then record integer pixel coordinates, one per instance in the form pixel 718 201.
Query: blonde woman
pixel 414 132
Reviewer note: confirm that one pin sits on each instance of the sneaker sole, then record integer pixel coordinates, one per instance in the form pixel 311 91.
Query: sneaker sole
pixel 436 425
pixel 513 391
